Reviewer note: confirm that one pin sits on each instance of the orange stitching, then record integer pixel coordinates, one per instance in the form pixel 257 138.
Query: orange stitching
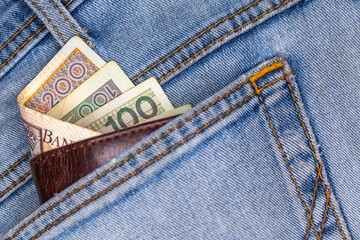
pixel 22 46
pixel 283 153
pixel 32 19
pixel 12 167
pixel 219 39
pixel 68 3
pixel 316 161
pixel 326 210
pixel 145 165
pixel 48 20
pixel 319 169
pixel 312 203
pixel 212 26
pixel 130 156
pixel 67 20
pixel 150 162
pixel 1 194
pixel 270 83
pixel 42 28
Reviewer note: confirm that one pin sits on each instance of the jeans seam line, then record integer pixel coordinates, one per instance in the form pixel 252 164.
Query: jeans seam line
pixel 67 20
pixel 221 38
pixel 195 37
pixel 151 161
pixel 27 41
pixel 140 150
pixel 258 92
pixel 327 192
pixel 13 166
pixel 49 20
pixel 14 184
pixel 18 32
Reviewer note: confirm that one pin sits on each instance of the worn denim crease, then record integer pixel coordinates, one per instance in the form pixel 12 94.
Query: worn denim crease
pixel 272 67
pixel 325 214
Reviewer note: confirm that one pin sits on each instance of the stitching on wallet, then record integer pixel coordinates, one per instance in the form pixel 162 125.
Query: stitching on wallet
pixel 49 20
pixel 316 160
pixel 60 152
pixel 192 39
pixel 14 184
pixel 283 153
pixel 67 20
pixel 149 163
pixel 131 155
pixel 13 166
pixel 219 39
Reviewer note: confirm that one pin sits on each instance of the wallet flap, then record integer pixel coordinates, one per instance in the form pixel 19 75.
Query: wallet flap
pixel 55 170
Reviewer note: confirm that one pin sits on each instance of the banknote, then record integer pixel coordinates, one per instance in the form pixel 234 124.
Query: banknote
pixel 106 84
pixel 171 113
pixel 45 133
pixel 71 66
pixel 137 105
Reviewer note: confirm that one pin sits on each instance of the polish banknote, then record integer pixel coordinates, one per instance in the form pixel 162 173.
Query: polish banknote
pixel 72 65
pixel 139 104
pixel 106 84
pixel 77 96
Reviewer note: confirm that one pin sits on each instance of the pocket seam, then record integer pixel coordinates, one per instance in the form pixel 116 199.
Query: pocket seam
pixel 260 73
pixel 317 166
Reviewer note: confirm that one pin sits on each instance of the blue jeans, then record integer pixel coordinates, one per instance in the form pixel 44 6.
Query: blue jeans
pixel 269 150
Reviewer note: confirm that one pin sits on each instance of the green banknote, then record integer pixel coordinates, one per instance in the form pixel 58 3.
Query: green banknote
pixel 139 104
pixel 106 84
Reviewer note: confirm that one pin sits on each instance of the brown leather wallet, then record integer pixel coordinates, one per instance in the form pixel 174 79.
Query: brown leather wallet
pixel 55 170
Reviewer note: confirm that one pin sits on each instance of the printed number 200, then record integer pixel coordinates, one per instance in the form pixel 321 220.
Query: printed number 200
pixel 111 121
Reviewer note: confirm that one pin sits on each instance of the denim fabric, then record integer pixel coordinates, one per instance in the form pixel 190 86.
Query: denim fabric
pixel 58 20
pixel 258 170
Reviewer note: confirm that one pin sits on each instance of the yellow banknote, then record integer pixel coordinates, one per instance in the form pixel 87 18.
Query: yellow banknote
pixel 72 65
pixel 106 84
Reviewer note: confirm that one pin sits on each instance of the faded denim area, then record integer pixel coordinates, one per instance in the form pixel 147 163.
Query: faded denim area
pixel 244 169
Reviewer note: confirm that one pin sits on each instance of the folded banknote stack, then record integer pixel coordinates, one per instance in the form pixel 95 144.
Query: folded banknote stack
pixel 78 96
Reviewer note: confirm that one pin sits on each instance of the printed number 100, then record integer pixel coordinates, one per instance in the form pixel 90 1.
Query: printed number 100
pixel 135 118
